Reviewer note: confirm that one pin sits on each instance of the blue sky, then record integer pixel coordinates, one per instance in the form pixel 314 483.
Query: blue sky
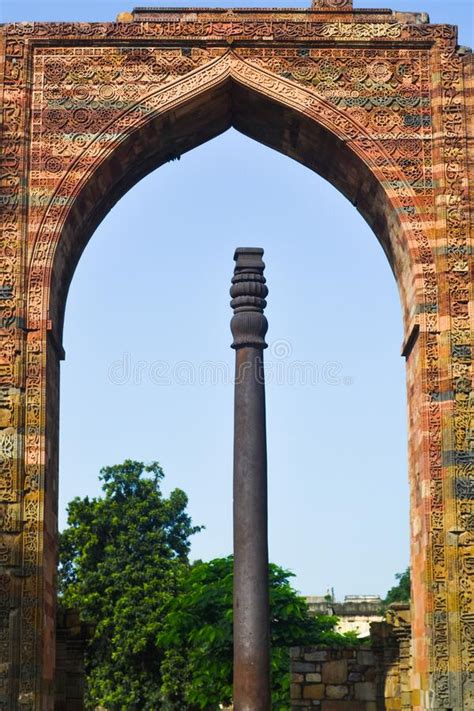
pixel 147 335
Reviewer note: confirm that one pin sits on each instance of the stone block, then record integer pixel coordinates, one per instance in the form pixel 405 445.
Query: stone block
pixel 337 691
pixel 415 698
pixel 340 705
pixel 295 691
pixel 406 699
pixel 317 656
pixel 335 672
pixel 365 691
pixel 370 674
pixel 392 687
pixel 355 676
pixel 297 678
pixel 314 691
pixel 365 657
pixel 303 667
pixel 314 677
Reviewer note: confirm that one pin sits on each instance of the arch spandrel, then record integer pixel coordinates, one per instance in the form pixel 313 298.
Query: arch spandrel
pixel 382 96
pixel 376 183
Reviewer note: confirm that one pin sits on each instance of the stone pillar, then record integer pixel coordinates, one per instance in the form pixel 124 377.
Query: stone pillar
pixel 251 606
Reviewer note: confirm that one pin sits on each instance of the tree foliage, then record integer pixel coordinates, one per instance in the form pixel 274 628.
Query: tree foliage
pixel 121 559
pixel 162 629
pixel 197 669
pixel 400 592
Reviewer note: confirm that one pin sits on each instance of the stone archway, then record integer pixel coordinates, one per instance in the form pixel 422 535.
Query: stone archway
pixel 374 101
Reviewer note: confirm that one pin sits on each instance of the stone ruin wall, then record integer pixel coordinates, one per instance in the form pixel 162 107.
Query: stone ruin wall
pixel 71 642
pixel 372 677
pixel 333 679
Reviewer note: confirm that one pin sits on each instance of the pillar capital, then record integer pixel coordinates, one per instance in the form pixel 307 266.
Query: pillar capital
pixel 248 292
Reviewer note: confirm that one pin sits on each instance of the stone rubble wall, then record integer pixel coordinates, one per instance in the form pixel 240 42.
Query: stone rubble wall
pixel 334 679
pixel 372 677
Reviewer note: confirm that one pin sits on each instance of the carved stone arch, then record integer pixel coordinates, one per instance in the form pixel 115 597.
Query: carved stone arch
pixel 162 125
pixel 228 91
pixel 380 103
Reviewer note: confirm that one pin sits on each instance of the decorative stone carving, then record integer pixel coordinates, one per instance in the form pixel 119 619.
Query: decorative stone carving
pixel 249 292
pixel 332 4
pixel 392 97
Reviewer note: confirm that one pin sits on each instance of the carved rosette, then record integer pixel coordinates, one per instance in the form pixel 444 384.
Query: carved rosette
pixel 249 292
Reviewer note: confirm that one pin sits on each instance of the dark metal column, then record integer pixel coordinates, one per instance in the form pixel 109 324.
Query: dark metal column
pixel 251 608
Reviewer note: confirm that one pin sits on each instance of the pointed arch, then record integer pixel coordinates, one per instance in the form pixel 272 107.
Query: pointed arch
pixel 228 91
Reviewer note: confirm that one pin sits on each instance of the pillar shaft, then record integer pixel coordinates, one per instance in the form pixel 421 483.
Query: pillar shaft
pixel 251 605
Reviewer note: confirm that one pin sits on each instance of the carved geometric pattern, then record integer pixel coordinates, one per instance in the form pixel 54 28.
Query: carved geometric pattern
pixel 397 95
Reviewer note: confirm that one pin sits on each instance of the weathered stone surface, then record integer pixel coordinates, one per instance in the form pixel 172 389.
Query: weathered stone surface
pixel 378 103
pixel 295 690
pixel 388 675
pixel 319 656
pixel 71 642
pixel 336 691
pixel 303 667
pixel 335 672
pixel 365 691
pixel 301 703
pixel 313 691
pixel 337 705
pixel 365 657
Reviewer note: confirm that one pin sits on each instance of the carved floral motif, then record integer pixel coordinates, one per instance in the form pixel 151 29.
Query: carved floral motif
pixel 395 94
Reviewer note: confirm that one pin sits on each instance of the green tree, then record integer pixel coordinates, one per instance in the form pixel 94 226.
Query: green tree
pixel 197 669
pixel 401 591
pixel 122 556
